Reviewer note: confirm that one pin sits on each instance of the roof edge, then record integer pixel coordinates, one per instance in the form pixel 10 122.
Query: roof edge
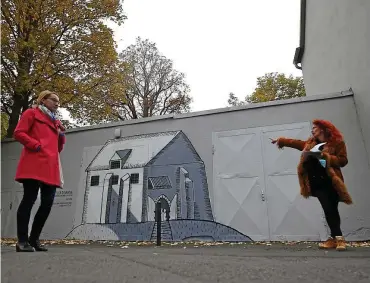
pixel 303 99
pixel 309 98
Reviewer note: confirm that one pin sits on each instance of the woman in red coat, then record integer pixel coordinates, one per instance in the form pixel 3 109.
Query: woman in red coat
pixel 321 176
pixel 42 136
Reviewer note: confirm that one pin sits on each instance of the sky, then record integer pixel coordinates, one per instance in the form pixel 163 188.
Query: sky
pixel 220 46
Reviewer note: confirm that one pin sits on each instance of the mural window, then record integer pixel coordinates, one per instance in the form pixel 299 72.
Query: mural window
pixel 115 164
pixel 134 178
pixel 115 179
pixel 159 183
pixel 94 181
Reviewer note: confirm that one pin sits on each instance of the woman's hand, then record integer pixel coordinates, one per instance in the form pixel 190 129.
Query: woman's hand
pixel 273 141
pixel 61 129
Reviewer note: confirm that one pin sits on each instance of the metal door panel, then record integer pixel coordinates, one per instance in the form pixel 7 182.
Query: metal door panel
pixel 239 182
pixel 291 217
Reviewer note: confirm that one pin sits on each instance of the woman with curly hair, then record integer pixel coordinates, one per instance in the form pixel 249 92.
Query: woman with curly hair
pixel 320 176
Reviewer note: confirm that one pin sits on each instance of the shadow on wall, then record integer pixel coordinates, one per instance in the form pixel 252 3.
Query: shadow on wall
pixel 129 175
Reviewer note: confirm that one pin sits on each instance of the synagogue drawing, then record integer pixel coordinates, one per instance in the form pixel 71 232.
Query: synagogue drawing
pixel 130 174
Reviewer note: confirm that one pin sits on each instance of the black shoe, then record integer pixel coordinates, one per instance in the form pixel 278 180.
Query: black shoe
pixel 24 247
pixel 38 246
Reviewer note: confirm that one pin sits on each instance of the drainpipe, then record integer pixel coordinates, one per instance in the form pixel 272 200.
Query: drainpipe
pixel 302 39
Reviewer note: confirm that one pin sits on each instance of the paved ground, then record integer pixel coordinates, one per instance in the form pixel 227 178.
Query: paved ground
pixel 243 263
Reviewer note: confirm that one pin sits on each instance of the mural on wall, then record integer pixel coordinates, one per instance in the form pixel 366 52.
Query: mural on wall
pixel 129 175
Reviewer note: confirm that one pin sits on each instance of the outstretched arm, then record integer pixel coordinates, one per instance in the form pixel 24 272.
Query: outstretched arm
pixel 293 143
pixel 22 129
pixel 339 159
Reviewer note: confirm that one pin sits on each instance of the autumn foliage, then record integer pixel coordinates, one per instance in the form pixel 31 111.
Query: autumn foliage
pixel 63 45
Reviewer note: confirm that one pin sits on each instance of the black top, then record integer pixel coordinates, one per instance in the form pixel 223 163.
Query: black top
pixel 317 176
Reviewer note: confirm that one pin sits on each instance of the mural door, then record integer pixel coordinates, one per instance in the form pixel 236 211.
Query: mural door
pixel 238 182
pixel 291 217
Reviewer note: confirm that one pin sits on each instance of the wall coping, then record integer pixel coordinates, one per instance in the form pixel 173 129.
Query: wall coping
pixel 310 98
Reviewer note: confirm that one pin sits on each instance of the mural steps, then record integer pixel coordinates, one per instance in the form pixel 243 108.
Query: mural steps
pixel 166 231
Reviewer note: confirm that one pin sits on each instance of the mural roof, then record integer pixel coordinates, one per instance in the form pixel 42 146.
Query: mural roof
pixel 144 148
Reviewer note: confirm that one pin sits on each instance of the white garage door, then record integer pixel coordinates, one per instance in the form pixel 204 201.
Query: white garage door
pixel 239 182
pixel 256 185
pixel 291 217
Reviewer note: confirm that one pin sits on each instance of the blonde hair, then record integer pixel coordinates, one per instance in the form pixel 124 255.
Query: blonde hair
pixel 44 94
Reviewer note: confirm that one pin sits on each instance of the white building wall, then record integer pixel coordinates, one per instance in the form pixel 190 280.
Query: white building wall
pixel 338 108
pixel 337 56
pixel 97 195
pixel 136 203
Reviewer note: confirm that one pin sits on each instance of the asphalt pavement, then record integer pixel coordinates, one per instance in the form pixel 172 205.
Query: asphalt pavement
pixel 170 264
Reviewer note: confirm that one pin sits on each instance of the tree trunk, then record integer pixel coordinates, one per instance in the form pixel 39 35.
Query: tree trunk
pixel 22 89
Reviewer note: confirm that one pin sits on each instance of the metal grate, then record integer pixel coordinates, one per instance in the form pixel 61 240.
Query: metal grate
pixel 159 183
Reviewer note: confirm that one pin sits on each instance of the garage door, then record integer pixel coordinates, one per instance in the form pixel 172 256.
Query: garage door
pixel 291 217
pixel 256 185
pixel 239 182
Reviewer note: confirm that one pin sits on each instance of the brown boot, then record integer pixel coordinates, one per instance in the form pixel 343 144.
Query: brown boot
pixel 341 243
pixel 328 244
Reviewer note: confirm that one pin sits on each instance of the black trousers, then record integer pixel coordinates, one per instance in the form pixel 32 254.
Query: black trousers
pixel 322 188
pixel 31 189
pixel 329 201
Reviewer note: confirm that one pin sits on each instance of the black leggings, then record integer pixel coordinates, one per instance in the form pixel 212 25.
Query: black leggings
pixel 322 188
pixel 329 201
pixel 31 190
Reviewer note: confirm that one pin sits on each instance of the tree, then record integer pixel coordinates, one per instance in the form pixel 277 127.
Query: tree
pixel 272 86
pixel 152 86
pixel 4 125
pixel 60 45
pixel 234 100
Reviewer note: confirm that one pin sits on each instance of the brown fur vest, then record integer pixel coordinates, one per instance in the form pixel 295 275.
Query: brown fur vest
pixel 335 155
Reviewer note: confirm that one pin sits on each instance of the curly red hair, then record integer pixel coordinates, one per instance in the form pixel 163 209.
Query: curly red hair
pixel 331 132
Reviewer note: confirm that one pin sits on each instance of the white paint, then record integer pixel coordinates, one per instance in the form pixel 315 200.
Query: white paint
pixel 104 197
pixel 115 157
pixel 137 196
pixel 183 207
pixel 79 195
pixel 126 186
pixel 173 206
pixel 151 209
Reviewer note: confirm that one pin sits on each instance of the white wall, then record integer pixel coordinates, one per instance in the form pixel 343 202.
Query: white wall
pixel 97 195
pixel 340 109
pixel 337 53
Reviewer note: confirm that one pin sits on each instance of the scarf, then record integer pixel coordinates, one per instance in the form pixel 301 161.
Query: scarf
pixel 52 116
pixel 47 112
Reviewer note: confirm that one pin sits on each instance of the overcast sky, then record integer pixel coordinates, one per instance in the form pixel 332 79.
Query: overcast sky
pixel 220 46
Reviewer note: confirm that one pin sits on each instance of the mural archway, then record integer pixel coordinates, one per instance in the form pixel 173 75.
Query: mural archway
pixel 165 207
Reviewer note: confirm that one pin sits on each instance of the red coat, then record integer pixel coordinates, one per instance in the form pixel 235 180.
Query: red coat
pixel 35 129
